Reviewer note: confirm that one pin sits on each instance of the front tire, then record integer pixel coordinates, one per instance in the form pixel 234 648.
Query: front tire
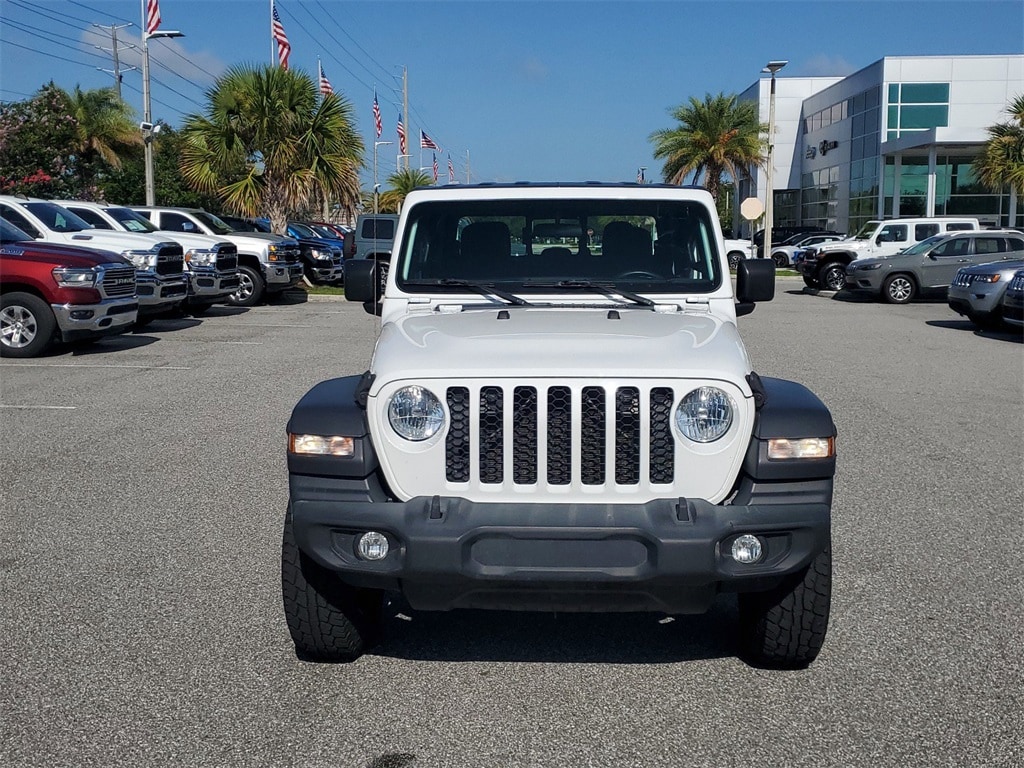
pixel 251 288
pixel 735 257
pixel 898 289
pixel 27 325
pixel 784 628
pixel 328 620
pixel 810 282
pixel 781 260
pixel 832 277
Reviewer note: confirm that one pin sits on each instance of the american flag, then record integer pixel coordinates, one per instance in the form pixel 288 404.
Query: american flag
pixel 376 115
pixel 284 48
pixel 325 84
pixel 640 176
pixel 152 16
pixel 451 171
pixel 401 134
pixel 428 143
pixel 435 169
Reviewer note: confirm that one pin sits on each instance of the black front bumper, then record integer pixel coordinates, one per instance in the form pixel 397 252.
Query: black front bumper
pixel 669 555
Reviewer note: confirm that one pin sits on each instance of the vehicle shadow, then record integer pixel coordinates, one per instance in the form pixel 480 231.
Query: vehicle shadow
pixel 609 638
pixel 168 323
pixel 218 310
pixel 107 344
pixel 291 296
pixel 1003 334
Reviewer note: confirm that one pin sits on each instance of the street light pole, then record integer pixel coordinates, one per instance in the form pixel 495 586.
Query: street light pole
pixel 769 200
pixel 149 131
pixel 376 194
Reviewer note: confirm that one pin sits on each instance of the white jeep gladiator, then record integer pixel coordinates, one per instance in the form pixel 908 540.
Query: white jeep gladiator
pixel 559 415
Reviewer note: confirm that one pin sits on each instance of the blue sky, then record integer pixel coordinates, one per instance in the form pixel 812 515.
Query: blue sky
pixel 566 90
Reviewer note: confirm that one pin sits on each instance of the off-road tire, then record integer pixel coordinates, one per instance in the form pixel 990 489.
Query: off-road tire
pixel 27 325
pixel 832 277
pixel 735 257
pixel 251 287
pixel 810 282
pixel 328 620
pixel 785 627
pixel 383 267
pixel 899 289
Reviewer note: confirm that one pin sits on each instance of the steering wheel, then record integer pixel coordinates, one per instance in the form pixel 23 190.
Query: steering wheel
pixel 639 273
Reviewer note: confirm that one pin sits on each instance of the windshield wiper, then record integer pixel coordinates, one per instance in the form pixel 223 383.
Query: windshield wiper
pixel 605 289
pixel 482 288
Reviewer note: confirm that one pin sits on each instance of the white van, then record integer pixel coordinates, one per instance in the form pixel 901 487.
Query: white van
pixel 824 265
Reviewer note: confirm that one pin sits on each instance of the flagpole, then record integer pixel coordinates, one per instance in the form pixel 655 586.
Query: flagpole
pixel 273 50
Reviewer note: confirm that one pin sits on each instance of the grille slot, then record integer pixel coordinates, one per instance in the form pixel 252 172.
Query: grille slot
pixel 170 260
pixel 227 258
pixel 560 436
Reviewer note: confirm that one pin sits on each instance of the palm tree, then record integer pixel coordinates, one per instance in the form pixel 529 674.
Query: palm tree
pixel 715 136
pixel 401 183
pixel 268 145
pixel 1001 162
pixel 104 129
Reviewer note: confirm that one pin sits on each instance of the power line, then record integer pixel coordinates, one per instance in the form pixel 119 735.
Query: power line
pixel 59 19
pixel 96 10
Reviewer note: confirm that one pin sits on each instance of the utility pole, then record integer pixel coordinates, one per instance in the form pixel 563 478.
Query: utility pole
pixel 116 72
pixel 405 111
pixel 467 166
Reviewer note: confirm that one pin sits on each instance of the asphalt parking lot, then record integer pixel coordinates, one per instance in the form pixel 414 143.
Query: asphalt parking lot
pixel 142 497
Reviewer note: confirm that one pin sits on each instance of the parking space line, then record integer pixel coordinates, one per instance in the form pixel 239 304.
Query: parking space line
pixel 40 407
pixel 215 341
pixel 91 365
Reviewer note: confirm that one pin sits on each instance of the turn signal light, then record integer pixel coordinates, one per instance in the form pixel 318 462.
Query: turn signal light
pixel 803 448
pixel 320 445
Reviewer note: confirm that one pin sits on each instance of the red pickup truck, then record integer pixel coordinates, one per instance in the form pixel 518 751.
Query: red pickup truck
pixel 60 293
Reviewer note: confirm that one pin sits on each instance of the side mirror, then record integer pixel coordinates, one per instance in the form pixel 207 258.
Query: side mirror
pixel 755 281
pixel 361 281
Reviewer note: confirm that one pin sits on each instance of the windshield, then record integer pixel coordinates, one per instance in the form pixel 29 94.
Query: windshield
pixel 131 220
pixel 644 246
pixel 865 232
pixel 301 230
pixel 11 234
pixel 56 218
pixel 923 247
pixel 211 221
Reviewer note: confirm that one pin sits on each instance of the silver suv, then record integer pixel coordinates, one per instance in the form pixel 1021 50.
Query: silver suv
pixel 977 292
pixel 930 264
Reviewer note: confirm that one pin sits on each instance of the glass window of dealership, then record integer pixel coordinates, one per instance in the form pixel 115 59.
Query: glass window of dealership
pixel 897 138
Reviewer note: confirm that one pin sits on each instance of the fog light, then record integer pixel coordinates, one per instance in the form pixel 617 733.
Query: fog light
pixel 81 314
pixel 746 549
pixel 374 546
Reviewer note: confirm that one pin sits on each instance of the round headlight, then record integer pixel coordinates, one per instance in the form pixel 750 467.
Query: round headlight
pixel 415 413
pixel 705 414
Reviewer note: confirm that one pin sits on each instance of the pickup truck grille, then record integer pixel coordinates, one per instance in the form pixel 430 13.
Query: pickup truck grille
pixel 117 282
pixel 227 257
pixel 576 429
pixel 170 260
pixel 289 252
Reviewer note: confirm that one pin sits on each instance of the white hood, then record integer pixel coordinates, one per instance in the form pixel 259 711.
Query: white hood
pixel 569 342
pixel 110 240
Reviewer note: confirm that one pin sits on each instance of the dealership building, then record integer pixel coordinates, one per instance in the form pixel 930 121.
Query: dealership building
pixel 896 138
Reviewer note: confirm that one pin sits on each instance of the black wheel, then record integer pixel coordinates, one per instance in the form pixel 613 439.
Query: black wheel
pixel 781 260
pixel 810 282
pixel 328 620
pixel 251 288
pixel 784 628
pixel 735 257
pixel 898 289
pixel 143 320
pixel 383 267
pixel 26 325
pixel 832 277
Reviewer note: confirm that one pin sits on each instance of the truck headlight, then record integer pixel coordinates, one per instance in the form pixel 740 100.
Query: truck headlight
pixel 415 413
pixel 201 257
pixel 705 414
pixel 141 259
pixel 71 277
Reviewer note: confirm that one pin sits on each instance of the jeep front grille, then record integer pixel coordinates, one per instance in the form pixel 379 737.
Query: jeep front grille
pixel 118 281
pixel 637 419
pixel 963 279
